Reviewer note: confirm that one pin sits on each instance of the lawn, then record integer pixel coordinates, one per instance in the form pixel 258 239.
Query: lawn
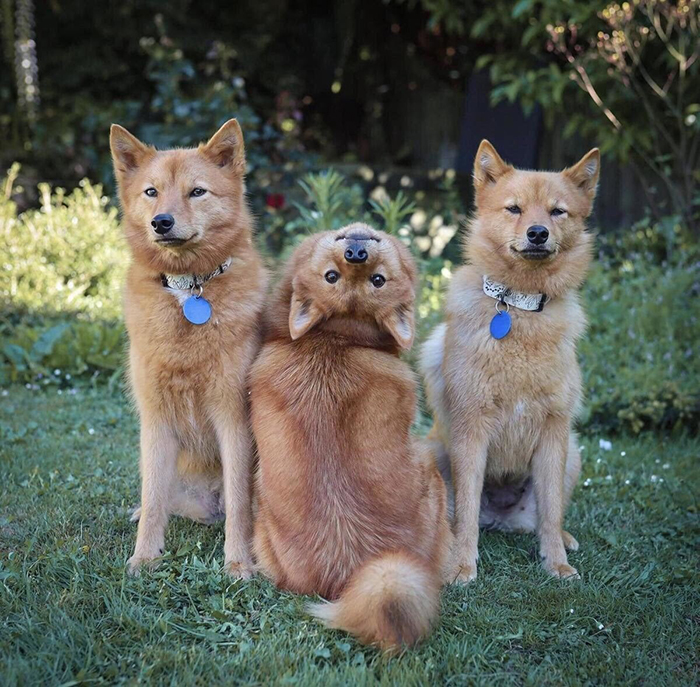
pixel 68 478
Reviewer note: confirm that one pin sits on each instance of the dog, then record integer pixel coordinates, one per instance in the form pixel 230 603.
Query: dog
pixel 501 373
pixel 192 303
pixel 349 505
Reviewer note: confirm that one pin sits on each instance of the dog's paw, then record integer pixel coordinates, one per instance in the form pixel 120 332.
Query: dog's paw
pixel 570 543
pixel 137 563
pixel 240 570
pixel 136 515
pixel 463 573
pixel 561 570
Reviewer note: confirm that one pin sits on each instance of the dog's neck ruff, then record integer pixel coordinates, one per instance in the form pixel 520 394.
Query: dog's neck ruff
pixel 533 302
pixel 190 282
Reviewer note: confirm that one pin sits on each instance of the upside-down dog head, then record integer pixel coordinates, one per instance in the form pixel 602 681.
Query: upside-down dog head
pixel 355 281
pixel 529 229
pixel 183 210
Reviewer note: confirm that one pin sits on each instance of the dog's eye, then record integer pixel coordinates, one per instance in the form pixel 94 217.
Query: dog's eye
pixel 331 276
pixel 557 212
pixel 514 209
pixel 151 192
pixel 377 281
pixel 197 192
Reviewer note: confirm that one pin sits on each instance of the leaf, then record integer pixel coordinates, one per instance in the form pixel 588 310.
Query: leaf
pixel 482 62
pixel 43 346
pixel 17 356
pixel 521 7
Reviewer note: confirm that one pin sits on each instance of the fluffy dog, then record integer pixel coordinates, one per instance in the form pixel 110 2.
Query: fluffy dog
pixel 192 302
pixel 505 387
pixel 351 507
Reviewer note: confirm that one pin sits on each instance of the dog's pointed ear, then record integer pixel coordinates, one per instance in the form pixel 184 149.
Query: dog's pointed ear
pixel 401 324
pixel 585 173
pixel 225 148
pixel 303 315
pixel 488 165
pixel 127 151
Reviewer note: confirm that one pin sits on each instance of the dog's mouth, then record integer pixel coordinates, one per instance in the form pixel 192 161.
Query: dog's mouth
pixel 533 253
pixel 173 242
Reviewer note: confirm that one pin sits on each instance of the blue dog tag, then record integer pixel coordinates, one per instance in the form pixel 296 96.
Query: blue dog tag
pixel 197 310
pixel 500 325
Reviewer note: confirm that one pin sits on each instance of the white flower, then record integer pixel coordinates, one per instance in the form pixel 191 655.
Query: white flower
pixel 608 477
pixel 587 482
pixel 654 478
pixel 623 453
pixel 57 372
pixel 600 626
pixel 627 481
pixel 605 444
pixel 666 466
pixel 91 431
pixel 5 392
pixel 571 610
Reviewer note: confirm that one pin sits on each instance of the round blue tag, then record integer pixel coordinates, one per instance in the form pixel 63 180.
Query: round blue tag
pixel 196 310
pixel 500 325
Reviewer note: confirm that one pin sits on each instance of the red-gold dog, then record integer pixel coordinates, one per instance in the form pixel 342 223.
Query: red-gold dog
pixel 192 303
pixel 505 387
pixel 350 506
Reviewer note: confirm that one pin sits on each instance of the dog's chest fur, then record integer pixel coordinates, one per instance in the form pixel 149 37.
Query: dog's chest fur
pixel 183 372
pixel 517 382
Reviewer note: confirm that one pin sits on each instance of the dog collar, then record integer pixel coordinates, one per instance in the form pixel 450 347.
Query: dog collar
pixel 533 302
pixel 189 282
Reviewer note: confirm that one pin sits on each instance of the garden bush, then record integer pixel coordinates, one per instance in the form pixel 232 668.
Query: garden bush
pixel 60 299
pixel 60 304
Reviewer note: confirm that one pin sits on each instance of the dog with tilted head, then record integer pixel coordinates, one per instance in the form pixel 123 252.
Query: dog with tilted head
pixel 192 303
pixel 501 373
pixel 349 505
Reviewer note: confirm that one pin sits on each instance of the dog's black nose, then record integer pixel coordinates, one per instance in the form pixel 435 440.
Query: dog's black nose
pixel 537 235
pixel 356 252
pixel 163 223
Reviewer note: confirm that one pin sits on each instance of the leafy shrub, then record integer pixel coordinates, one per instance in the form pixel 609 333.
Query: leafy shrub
pixel 640 356
pixel 60 300
pixel 66 256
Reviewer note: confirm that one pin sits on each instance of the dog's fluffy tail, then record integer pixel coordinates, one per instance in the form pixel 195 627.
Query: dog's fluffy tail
pixel 391 601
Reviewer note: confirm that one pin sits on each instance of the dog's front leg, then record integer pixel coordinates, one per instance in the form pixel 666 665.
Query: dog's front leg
pixel 236 460
pixel 548 466
pixel 158 466
pixel 468 451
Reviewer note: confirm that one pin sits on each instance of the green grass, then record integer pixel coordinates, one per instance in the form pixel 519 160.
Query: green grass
pixel 69 613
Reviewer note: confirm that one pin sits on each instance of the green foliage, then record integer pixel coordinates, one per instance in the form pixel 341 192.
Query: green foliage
pixel 393 211
pixel 640 356
pixel 169 91
pixel 64 266
pixel 624 75
pixel 67 255
pixel 332 202
pixel 38 352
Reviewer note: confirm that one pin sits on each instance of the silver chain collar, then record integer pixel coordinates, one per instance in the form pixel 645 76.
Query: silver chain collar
pixel 192 282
